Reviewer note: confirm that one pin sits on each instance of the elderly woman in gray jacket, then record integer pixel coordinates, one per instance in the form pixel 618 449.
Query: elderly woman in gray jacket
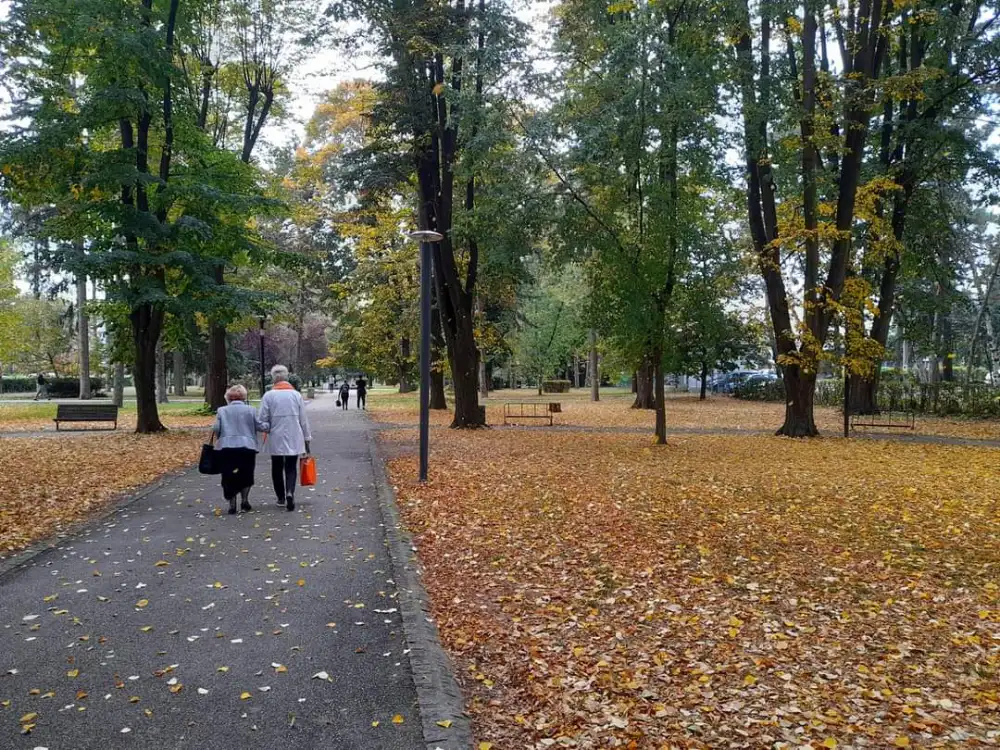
pixel 236 427
pixel 288 436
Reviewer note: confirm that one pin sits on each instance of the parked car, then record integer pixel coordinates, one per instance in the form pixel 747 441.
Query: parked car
pixel 729 381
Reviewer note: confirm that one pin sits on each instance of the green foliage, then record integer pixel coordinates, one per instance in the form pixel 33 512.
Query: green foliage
pixel 550 321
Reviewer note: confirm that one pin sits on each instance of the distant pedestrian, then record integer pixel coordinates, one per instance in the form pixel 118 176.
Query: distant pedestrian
pixel 345 395
pixel 362 387
pixel 236 427
pixel 41 387
pixel 288 434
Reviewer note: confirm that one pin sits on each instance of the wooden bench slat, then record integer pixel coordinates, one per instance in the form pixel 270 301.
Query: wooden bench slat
pixel 86 413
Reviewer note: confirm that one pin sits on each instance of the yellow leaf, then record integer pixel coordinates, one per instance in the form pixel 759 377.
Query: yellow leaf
pixel 222 669
pixel 749 680
pixel 376 723
pixel 902 742
pixel 176 688
pixel 146 629
pixel 301 582
pixel 162 563
pixel 245 696
pixel 134 699
pixel 142 603
pixel 28 718
pixel 829 742
pixel 148 712
pixel 438 88
pixel 485 746
pixel 281 668
pixel 398 719
pixel 73 673
pixel 446 723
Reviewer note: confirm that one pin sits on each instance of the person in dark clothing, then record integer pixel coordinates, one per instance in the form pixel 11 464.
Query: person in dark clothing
pixel 362 387
pixel 42 387
pixel 345 394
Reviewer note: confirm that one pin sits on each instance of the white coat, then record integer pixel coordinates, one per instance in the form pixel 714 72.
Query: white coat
pixel 284 411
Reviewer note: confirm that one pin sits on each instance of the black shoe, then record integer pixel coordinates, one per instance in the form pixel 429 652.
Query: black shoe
pixel 232 507
pixel 290 504
pixel 245 506
pixel 281 501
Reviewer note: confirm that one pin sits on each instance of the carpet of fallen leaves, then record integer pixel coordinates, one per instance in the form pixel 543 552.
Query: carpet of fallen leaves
pixel 727 591
pixel 50 483
pixel 683 412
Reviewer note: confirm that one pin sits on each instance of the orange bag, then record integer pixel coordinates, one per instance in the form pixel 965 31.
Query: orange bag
pixel 307 472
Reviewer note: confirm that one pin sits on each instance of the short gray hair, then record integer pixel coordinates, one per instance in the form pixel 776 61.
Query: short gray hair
pixel 236 393
pixel 279 373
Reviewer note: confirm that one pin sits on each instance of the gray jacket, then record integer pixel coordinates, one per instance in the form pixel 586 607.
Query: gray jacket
pixel 284 412
pixel 237 426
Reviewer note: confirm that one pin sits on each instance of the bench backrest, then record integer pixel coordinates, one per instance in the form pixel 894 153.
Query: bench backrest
pixel 96 412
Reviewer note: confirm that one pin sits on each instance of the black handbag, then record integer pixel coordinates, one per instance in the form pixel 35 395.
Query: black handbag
pixel 209 461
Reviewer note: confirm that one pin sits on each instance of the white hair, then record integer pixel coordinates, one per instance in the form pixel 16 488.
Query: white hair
pixel 279 373
pixel 236 393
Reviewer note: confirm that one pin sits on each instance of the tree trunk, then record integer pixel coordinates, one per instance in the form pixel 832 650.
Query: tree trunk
pixel 147 323
pixel 863 394
pixel 464 358
pixel 83 324
pixel 704 381
pixel 594 367
pixel 484 383
pixel 218 369
pixel 161 374
pixel 438 400
pixel 403 375
pixel 644 397
pixel 800 389
pixel 659 393
pixel 218 374
pixel 180 372
pixel 118 387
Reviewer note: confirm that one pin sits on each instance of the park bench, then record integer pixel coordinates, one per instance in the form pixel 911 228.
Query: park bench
pixel 87 413
pixel 518 412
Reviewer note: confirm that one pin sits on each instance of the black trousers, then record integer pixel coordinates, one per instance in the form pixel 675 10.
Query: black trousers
pixel 284 471
pixel 362 397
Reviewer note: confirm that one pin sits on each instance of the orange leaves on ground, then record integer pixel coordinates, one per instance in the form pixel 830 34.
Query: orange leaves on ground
pixel 723 591
pixel 50 483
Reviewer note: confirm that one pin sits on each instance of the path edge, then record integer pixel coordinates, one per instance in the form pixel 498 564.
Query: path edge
pixel 118 502
pixel 438 694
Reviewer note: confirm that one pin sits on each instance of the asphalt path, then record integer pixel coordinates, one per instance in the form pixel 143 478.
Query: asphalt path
pixel 174 625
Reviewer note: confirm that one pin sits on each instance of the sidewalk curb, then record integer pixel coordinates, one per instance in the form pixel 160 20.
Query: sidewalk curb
pixel 116 505
pixel 438 693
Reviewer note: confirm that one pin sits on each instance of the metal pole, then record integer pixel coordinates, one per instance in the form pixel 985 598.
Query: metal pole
pixel 425 356
pixel 262 357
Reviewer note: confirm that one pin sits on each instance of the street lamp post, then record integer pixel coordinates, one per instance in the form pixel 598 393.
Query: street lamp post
pixel 261 318
pixel 425 238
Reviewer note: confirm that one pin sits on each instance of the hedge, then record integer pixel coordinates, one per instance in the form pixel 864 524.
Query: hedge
pixel 555 386
pixel 58 387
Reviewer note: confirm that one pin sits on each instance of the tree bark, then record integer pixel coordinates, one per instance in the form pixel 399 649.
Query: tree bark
pixel 800 389
pixel 147 322
pixel 595 372
pixel 644 396
pixel 863 394
pixel 83 325
pixel 218 368
pixel 659 393
pixel 704 381
pixel 118 386
pixel 438 400
pixel 161 374
pixel 180 373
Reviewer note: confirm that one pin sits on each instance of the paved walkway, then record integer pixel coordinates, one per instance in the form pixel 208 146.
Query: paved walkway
pixel 169 626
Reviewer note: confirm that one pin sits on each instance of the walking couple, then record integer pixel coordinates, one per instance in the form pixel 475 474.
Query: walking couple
pixel 282 419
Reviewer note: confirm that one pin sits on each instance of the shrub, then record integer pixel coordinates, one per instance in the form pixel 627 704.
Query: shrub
pixel 760 390
pixel 70 387
pixel 17 384
pixel 555 386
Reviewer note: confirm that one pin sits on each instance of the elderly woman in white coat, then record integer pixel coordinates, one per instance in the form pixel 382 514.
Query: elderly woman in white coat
pixel 288 438
pixel 236 427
